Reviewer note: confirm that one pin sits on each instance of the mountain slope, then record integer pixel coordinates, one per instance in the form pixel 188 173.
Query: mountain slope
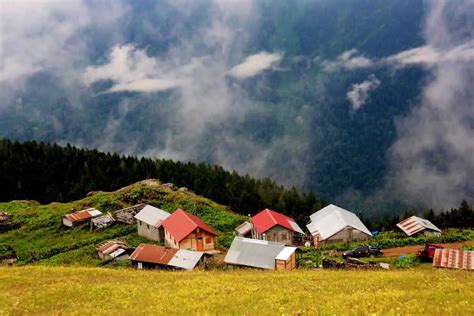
pixel 41 238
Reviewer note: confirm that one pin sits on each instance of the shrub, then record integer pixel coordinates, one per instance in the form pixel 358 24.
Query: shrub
pixel 407 261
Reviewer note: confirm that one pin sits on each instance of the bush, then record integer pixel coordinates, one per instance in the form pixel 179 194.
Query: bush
pixel 406 261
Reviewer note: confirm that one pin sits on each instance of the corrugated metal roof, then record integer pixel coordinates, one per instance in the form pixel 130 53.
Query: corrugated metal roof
pixel 286 253
pixel 415 224
pixel 243 228
pixel 112 246
pixel 152 216
pixel 267 219
pixel 253 253
pixel 181 223
pixel 332 219
pixel 153 254
pixel 83 215
pixel 454 259
pixel 95 213
pixel 186 259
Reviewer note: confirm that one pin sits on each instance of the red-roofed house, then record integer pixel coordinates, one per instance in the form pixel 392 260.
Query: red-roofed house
pixel 273 226
pixel 187 231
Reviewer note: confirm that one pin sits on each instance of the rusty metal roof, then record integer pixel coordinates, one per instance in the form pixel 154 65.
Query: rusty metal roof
pixel 454 259
pixel 153 254
pixel 83 215
pixel 415 224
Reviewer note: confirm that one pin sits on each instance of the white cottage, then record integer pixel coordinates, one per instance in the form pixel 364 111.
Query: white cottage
pixel 149 222
pixel 334 224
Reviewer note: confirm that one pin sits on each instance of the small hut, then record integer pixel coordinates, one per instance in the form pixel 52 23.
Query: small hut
pixel 415 225
pixel 79 218
pixel 114 249
pixel 261 254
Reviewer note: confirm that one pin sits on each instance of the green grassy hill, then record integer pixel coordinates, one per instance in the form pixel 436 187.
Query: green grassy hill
pixel 37 234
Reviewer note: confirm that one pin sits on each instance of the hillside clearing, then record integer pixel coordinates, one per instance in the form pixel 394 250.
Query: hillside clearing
pixel 61 290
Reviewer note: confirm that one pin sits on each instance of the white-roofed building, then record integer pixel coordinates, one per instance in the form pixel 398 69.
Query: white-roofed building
pixel 333 224
pixel 149 222
pixel 261 254
pixel 416 225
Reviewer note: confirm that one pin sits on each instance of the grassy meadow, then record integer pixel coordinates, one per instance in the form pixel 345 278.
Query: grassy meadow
pixel 41 290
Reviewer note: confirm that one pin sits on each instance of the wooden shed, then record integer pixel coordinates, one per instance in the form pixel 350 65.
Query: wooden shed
pixel 79 218
pixel 261 254
pixel 286 259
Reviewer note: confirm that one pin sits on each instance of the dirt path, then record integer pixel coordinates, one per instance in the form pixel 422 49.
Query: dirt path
pixel 395 252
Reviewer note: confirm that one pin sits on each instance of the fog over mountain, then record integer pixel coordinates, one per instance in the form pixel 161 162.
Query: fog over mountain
pixel 368 103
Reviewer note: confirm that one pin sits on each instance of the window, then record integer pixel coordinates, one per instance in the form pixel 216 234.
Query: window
pixel 147 226
pixel 208 240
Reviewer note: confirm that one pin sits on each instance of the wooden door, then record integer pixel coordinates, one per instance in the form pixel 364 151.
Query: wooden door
pixel 200 246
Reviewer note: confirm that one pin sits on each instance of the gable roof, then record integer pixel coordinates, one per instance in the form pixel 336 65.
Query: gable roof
pixel 181 223
pixel 415 224
pixel 267 219
pixel 152 216
pixel 178 258
pixel 153 254
pixel 332 219
pixel 256 253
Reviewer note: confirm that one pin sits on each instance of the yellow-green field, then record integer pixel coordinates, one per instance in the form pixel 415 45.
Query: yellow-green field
pixel 67 290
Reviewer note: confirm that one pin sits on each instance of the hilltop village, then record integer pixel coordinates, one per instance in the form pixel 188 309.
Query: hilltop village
pixel 266 240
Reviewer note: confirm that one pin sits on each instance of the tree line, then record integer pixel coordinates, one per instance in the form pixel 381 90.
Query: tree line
pixel 49 172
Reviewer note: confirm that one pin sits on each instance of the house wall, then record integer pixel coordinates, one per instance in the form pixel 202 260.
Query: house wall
pixel 149 232
pixel 66 222
pixel 69 223
pixel 190 242
pixel 278 234
pixel 348 234
pixel 286 265
pixel 429 232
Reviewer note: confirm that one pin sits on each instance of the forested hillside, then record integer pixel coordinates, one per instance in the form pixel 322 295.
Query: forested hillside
pixel 51 173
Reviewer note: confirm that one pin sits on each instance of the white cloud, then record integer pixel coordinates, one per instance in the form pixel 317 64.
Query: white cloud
pixel 255 64
pixel 431 162
pixel 132 69
pixel 359 92
pixel 348 60
pixel 45 35
pixel 429 55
